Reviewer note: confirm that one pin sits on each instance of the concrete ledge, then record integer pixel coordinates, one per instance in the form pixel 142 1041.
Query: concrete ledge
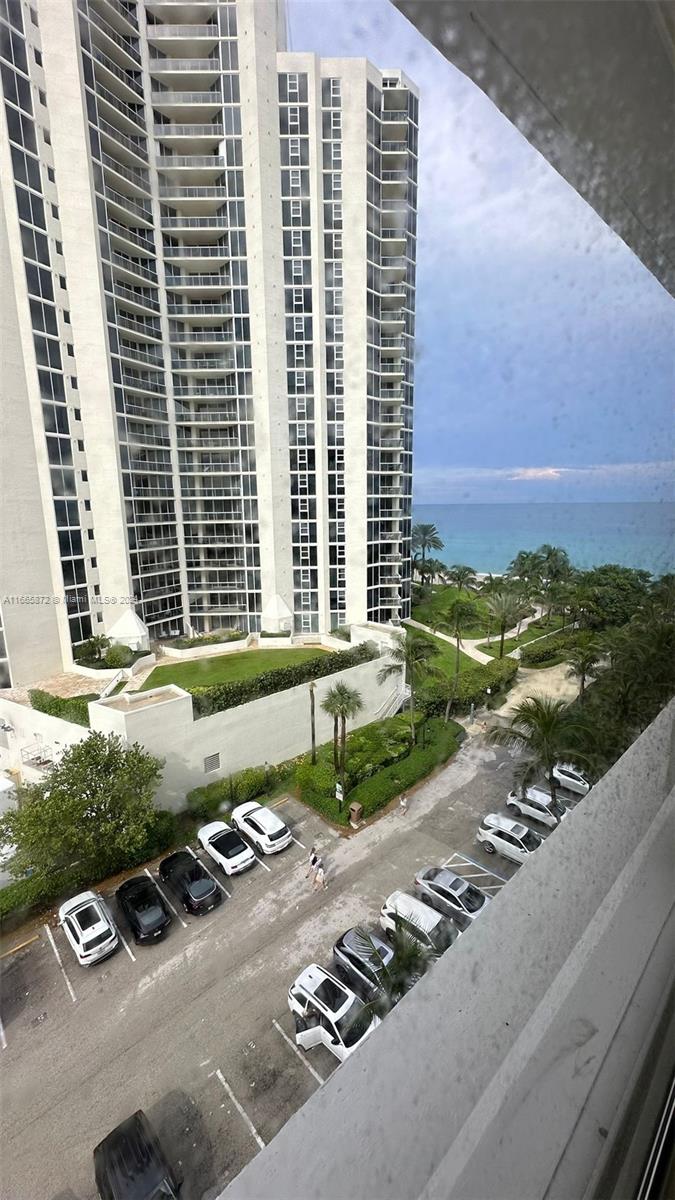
pixel 507 1071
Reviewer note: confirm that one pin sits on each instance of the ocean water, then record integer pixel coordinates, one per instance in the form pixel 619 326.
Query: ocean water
pixel 487 536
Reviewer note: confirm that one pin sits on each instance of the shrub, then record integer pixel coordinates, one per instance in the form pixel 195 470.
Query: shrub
pixel 229 695
pixel 267 633
pixel 341 631
pixel 119 656
pixel 207 639
pixel 162 835
pixel 206 802
pixel 35 891
pixel 472 687
pixel 74 709
pixel 535 653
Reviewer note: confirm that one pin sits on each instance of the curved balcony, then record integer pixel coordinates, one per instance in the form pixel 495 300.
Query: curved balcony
pixel 131 237
pixel 137 298
pixel 121 47
pixel 139 209
pixel 129 81
pixel 133 269
pixel 138 179
pixel 144 330
pixel 135 146
pixel 119 109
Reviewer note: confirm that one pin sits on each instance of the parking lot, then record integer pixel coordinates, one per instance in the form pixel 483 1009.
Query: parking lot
pixel 195 1029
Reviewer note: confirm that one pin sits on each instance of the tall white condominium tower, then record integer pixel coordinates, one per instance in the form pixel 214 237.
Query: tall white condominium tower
pixel 208 264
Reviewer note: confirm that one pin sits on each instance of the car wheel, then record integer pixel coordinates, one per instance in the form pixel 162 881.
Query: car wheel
pixel 518 812
pixel 489 848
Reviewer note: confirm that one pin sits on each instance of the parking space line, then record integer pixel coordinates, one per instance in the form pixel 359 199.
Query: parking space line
pixel 126 945
pixel 3 1039
pixel 262 864
pixel 244 1115
pixel 166 899
pixel 61 966
pixel 463 859
pixel 300 844
pixel 209 872
pixel 294 1048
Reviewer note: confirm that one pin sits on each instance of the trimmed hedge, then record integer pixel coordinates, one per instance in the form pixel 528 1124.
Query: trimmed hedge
pixel 206 802
pixel 282 633
pixel 317 784
pixel 119 656
pixel 207 639
pixel 545 651
pixel 472 687
pixel 73 709
pixel 222 696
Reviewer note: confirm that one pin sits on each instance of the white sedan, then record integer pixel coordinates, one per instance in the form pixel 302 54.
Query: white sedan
pixel 226 847
pixel 263 827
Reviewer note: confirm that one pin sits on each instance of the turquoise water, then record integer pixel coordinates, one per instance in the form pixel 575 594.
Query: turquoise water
pixel 488 536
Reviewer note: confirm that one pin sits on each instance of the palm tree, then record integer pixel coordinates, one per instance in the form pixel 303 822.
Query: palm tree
pixel 527 565
pixel 411 959
pixel 330 705
pixel 459 616
pixel 582 659
pixel 462 577
pixel 411 653
pixel 555 562
pixel 504 609
pixel 342 703
pixel 547 731
pixel 312 718
pixel 424 538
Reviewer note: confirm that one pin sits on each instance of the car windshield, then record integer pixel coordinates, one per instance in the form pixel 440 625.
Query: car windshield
pixel 530 840
pixel 228 844
pixel 472 899
pixel 557 808
pixel 355 1023
pixel 98 940
pixel 202 887
pixel 442 936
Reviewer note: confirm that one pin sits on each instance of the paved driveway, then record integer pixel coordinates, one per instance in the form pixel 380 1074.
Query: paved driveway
pixel 196 1029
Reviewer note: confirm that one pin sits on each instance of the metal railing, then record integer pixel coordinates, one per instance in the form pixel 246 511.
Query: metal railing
pixel 167 97
pixel 179 191
pixel 394 114
pixel 178 282
pixel 126 44
pixel 196 252
pixel 131 235
pixel 138 177
pixel 128 264
pixel 216 389
pixel 142 356
pixel 132 114
pixel 394 147
pixel 219 222
pixel 166 162
pixel 134 145
pixel 202 364
pixel 170 130
pixel 126 77
pixel 139 208
pixel 140 327
pixel 133 297
pixel 214 335
pixel 159 65
pixel 197 310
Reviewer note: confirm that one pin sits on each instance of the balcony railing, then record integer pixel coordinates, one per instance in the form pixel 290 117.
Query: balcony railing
pixel 394 114
pixel 169 130
pixel 142 356
pixel 200 336
pixel 136 145
pixel 157 33
pixel 127 44
pixel 139 327
pixel 219 222
pixel 199 310
pixel 160 98
pixel 196 252
pixel 139 178
pixel 394 147
pixel 169 161
pixel 128 78
pixel 200 65
pixel 135 297
pixel 180 192
pixel 131 235
pixel 203 363
pixel 139 208
pixel 179 282
pixel 132 113
pixel 216 389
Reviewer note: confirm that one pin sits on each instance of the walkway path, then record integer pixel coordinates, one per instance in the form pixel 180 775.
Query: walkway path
pixel 470 647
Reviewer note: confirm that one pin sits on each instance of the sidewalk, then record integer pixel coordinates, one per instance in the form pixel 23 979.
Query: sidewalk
pixel 470 648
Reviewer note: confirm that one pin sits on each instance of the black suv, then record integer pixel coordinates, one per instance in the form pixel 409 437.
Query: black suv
pixel 144 908
pixel 185 875
pixel 129 1164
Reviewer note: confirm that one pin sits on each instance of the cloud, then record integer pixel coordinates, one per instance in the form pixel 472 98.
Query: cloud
pixel 537 473
pixel 644 480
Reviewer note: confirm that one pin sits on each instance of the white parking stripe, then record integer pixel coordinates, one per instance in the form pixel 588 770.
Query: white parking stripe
pixel 166 900
pixel 208 872
pixel 126 945
pixel 462 860
pixel 301 844
pixel 3 1039
pixel 61 966
pixel 251 1127
pixel 294 1048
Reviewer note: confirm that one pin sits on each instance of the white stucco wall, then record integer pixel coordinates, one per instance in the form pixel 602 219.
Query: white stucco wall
pixel 28 728
pixel 271 729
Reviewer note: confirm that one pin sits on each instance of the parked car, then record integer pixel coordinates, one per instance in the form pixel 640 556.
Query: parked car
pixel 433 930
pixel 361 965
pixel 538 805
pixel 328 1013
pixel 185 875
pixel 571 778
pixel 144 908
pixel 89 927
pixel 265 829
pixel 130 1164
pixel 451 895
pixel 501 835
pixel 226 847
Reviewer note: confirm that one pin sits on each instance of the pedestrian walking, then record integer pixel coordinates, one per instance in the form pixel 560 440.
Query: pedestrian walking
pixel 313 862
pixel 319 883
pixel 403 803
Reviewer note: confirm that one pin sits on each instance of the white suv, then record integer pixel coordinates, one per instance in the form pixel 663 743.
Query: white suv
pixel 502 836
pixel 262 826
pixel 571 778
pixel 89 927
pixel 327 1013
pixel 427 926
pixel 538 805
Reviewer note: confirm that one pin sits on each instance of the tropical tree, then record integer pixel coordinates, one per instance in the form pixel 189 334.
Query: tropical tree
pixel 504 608
pixel 412 653
pixel 410 960
pixel 555 562
pixel 458 616
pixel 312 718
pixel 342 703
pixel 527 565
pixel 331 706
pixel 425 537
pixel 462 577
pixel 582 658
pixel 94 647
pixel 545 731
pixel 488 587
pixel 93 814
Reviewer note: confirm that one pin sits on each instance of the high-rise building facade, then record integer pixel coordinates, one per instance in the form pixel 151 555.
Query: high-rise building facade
pixel 208 248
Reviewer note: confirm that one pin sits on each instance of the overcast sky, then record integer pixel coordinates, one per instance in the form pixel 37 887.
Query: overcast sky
pixel 545 349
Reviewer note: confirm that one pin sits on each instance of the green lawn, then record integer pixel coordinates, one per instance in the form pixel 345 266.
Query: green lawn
pixel 226 668
pixel 441 595
pixel 538 629
pixel 445 660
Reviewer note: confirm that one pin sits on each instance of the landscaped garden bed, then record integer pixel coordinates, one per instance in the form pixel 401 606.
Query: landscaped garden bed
pixel 243 665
